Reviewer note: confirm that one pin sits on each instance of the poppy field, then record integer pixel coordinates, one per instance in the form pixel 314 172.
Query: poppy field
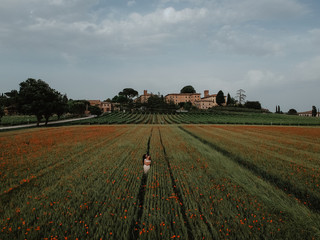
pixel 205 182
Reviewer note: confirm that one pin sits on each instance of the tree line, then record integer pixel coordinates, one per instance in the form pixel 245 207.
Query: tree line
pixel 157 103
pixel 292 111
pixel 36 97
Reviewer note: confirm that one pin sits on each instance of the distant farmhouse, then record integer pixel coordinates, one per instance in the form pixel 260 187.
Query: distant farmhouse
pixel 208 101
pixel 308 114
pixel 106 107
pixel 177 98
pixel 144 98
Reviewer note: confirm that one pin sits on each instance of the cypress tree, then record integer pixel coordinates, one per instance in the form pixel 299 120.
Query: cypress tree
pixel 220 98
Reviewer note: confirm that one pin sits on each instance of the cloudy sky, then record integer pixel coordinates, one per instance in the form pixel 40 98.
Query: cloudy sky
pixel 93 49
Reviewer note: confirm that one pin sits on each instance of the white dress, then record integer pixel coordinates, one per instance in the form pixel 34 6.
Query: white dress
pixel 146 168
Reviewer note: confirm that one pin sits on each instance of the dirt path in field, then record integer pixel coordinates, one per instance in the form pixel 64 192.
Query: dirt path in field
pixel 136 223
pixel 42 124
pixel 177 192
pixel 304 195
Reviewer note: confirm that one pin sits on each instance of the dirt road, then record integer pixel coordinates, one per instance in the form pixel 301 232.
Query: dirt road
pixel 49 123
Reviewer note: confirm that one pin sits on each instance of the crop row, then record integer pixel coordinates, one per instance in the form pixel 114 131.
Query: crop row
pixel 162 217
pixel 201 118
pixel 216 117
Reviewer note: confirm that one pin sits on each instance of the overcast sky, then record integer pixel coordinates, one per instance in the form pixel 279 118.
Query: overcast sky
pixel 93 49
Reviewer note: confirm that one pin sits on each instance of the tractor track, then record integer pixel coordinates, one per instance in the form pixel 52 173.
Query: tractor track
pixel 177 192
pixel 281 184
pixel 136 222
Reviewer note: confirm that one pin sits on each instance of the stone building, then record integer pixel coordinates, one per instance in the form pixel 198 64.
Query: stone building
pixel 143 98
pixel 308 114
pixel 208 101
pixel 106 107
pixel 177 98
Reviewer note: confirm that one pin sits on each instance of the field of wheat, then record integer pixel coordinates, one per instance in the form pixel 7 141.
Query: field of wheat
pixel 205 182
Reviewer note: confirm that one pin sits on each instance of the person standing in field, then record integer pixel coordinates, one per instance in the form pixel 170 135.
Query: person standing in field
pixel 146 163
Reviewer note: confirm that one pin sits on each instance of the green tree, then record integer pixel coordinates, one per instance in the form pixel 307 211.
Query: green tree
pixel 62 105
pixel 228 99
pixel 292 112
pixel 154 103
pixel 157 103
pixel 314 111
pixel 120 99
pixel 187 106
pixel 3 100
pixel 129 93
pixel 78 107
pixel 51 101
pixel 37 98
pixel 12 102
pixel 278 110
pixel 1 111
pixel 231 100
pixel 253 104
pixel 125 98
pixel 188 89
pixel 220 98
pixel 95 110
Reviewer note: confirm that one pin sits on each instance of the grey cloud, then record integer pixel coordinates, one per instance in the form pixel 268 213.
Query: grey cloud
pixel 131 3
pixel 76 25
pixel 269 9
pixel 263 79
pixel 136 32
pixel 308 71
pixel 242 42
pixel 235 11
pixel 315 37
